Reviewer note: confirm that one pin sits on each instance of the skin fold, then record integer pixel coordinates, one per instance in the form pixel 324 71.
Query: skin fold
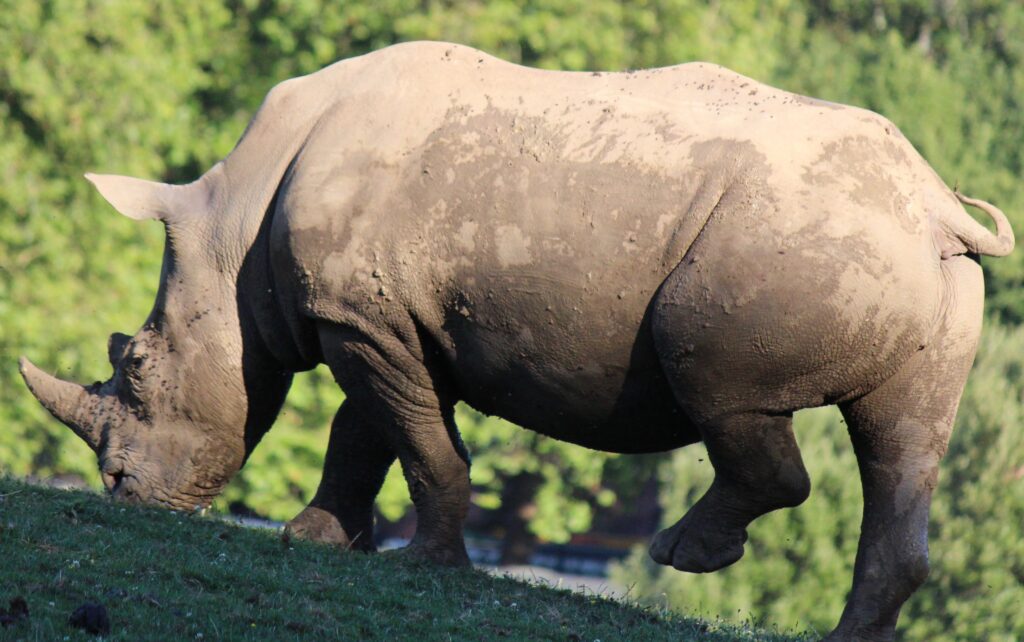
pixel 632 262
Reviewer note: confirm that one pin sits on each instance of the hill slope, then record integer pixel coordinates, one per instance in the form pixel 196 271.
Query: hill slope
pixel 164 575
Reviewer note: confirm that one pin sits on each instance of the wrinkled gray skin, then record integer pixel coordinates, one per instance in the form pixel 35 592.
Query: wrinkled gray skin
pixel 632 262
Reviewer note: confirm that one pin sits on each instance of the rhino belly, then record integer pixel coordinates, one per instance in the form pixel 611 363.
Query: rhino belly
pixel 589 379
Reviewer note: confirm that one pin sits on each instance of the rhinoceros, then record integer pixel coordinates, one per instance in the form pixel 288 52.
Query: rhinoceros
pixel 632 262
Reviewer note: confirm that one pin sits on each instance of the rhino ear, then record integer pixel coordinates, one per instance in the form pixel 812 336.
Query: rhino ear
pixel 139 199
pixel 117 344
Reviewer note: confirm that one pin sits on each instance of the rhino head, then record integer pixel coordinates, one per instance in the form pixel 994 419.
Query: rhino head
pixel 190 394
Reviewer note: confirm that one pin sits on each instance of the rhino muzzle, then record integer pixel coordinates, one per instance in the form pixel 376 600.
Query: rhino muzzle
pixel 66 401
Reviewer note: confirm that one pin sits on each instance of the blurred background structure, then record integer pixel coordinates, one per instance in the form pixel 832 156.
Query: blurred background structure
pixel 163 89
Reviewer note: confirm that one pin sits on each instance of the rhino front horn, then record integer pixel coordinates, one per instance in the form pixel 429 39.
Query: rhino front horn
pixel 66 401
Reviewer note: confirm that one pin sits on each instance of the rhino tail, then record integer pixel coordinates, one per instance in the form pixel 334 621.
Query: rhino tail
pixel 962 234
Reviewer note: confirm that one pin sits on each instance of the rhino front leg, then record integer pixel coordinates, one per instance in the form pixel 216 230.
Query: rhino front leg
pixel 402 396
pixel 357 460
pixel 758 469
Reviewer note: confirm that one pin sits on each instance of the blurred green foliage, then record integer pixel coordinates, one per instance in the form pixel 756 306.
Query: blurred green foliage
pixel 163 90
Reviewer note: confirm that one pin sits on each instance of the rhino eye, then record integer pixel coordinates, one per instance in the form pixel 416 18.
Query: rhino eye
pixel 134 372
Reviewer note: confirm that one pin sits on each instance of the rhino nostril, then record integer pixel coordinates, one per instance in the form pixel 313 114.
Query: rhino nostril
pixel 113 480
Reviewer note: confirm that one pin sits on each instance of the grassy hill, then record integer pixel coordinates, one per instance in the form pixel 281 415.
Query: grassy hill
pixel 163 575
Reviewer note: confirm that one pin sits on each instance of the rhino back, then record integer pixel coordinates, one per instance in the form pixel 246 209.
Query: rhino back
pixel 527 218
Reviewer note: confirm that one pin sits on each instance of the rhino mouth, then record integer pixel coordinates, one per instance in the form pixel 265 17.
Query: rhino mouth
pixel 130 484
pixel 189 503
pixel 132 490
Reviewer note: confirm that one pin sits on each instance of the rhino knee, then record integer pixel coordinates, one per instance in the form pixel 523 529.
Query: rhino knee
pixel 793 487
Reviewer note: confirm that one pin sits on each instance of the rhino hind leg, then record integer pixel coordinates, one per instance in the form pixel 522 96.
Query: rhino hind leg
pixel 900 431
pixel 357 460
pixel 758 469
pixel 436 468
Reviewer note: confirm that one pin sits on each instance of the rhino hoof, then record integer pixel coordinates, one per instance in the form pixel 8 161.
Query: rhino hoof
pixel 317 525
pixel 687 547
pixel 452 556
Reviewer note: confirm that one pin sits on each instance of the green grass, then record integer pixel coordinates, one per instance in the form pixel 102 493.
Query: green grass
pixel 170 576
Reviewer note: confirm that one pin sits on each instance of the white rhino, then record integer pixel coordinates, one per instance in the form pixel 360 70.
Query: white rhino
pixel 631 261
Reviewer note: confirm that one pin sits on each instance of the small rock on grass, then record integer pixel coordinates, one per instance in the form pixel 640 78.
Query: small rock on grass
pixel 17 611
pixel 92 618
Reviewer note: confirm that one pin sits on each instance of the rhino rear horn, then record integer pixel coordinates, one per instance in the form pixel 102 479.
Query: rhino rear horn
pixel 68 402
pixel 141 199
